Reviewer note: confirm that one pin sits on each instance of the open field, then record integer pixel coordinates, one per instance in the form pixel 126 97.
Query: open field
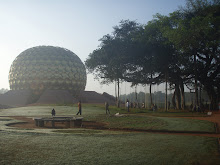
pixel 157 123
pixel 103 146
pixel 88 148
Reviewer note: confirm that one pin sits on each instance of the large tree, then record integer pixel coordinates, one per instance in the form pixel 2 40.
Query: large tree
pixel 157 59
pixel 108 62
pixel 175 49
pixel 195 32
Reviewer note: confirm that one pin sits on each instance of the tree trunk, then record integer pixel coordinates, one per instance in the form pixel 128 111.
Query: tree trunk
pixel 166 93
pixel 151 100
pixel 173 100
pixel 214 103
pixel 178 98
pixel 200 95
pixel 118 101
pixel 136 97
pixel 116 98
pixel 212 96
pixel 196 84
pixel 182 95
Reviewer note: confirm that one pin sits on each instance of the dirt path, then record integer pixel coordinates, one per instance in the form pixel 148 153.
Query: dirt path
pixel 30 124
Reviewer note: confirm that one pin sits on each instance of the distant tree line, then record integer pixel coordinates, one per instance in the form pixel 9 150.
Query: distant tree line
pixel 180 50
pixel 3 90
pixel 159 97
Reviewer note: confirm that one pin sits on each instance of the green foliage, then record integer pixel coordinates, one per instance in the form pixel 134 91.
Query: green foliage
pixel 159 97
pixel 182 49
pixel 3 90
pixel 195 31
pixel 110 60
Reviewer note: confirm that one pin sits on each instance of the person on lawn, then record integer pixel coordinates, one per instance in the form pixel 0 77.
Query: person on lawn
pixel 127 104
pixel 53 112
pixel 107 108
pixel 80 108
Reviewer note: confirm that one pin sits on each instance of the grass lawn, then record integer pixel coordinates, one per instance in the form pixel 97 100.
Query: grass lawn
pixel 85 146
pixel 156 123
pixel 46 110
pixel 130 148
pixel 145 121
pixel 88 109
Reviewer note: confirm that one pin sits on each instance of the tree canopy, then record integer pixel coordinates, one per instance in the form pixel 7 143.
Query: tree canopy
pixel 181 49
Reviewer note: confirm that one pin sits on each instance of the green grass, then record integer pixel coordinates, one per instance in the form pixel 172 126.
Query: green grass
pixel 161 112
pixel 86 146
pixel 155 123
pixel 46 110
pixel 87 109
pixel 132 148
pixel 145 121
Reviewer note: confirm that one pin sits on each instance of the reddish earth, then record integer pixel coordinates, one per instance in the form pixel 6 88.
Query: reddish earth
pixel 30 124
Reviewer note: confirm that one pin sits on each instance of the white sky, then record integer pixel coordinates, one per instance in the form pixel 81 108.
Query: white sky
pixel 76 25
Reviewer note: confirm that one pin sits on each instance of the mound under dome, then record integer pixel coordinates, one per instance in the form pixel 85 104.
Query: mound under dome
pixel 47 67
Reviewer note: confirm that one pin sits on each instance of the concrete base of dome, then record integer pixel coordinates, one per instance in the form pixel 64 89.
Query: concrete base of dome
pixel 15 97
pixel 22 97
pixel 56 97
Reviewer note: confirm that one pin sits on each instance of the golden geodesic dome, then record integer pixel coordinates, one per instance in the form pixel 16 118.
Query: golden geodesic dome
pixel 47 67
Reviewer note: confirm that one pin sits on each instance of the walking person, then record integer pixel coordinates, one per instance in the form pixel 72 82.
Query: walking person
pixel 53 112
pixel 127 105
pixel 107 108
pixel 80 108
pixel 152 107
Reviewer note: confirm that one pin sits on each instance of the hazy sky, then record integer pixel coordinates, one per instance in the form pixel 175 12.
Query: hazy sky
pixel 76 25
